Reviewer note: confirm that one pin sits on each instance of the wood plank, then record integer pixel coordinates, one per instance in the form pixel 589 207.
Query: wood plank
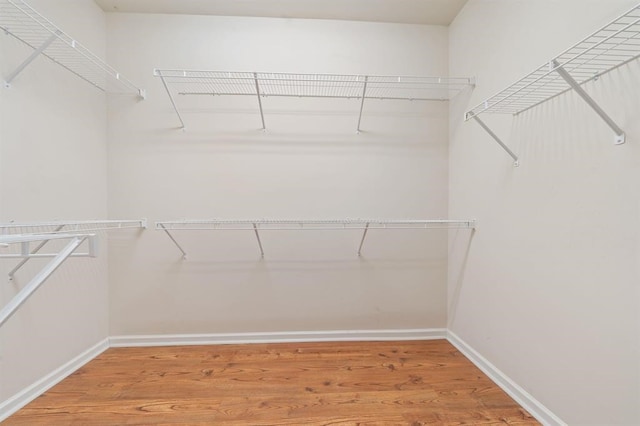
pixel 364 383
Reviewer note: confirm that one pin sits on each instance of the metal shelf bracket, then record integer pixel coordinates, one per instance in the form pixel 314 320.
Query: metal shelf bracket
pixel 482 124
pixel 364 95
pixel 31 58
pixel 157 73
pixel 619 133
pixel 255 229
pixel 610 47
pixel 21 297
pixel 255 79
pixel 364 235
pixel 53 229
pixel 163 227
pixel 35 251
pixel 24 23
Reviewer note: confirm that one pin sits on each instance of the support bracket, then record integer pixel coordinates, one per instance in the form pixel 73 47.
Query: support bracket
pixel 22 296
pixel 620 136
pixel 364 235
pixel 255 79
pixel 364 93
pixel 184 253
pixel 173 101
pixel 34 251
pixel 255 229
pixel 31 58
pixel 516 162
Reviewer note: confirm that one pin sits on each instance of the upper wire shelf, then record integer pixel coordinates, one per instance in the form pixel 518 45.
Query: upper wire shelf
pixel 612 46
pixel 337 86
pixel 21 21
pixel 186 82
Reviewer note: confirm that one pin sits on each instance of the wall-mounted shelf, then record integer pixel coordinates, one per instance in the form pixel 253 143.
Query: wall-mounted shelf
pixel 258 225
pixel 261 85
pixel 54 229
pixel 68 226
pixel 612 46
pixel 21 21
pixel 67 251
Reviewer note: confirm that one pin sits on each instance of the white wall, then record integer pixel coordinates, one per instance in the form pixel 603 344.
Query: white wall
pixel 547 290
pixel 309 164
pixel 52 167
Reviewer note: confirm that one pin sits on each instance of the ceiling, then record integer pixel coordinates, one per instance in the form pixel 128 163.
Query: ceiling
pixel 427 12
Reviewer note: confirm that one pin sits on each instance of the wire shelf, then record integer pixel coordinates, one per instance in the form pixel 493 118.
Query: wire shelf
pixel 54 227
pixel 338 86
pixel 47 231
pixel 311 224
pixel 257 225
pixel 185 82
pixel 21 21
pixel 612 46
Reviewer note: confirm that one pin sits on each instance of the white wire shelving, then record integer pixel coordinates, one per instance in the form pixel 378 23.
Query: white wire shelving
pixel 21 21
pixel 264 84
pixel 69 250
pixel 257 225
pixel 24 234
pixel 9 231
pixel 610 47
pixel 70 226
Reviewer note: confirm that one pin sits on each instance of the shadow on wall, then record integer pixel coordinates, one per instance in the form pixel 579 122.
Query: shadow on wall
pixel 199 267
pixel 458 106
pixel 461 241
pixel 565 128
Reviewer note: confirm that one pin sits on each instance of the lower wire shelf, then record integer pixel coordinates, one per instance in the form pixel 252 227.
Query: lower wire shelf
pixel 257 225
pixel 75 233
pixel 13 229
pixel 75 241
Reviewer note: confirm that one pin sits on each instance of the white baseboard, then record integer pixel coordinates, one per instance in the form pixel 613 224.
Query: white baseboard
pixel 521 396
pixel 277 337
pixel 22 398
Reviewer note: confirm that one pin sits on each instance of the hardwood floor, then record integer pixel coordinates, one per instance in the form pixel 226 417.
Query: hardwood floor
pixel 372 383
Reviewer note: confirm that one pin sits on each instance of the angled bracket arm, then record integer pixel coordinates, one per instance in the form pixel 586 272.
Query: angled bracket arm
pixel 34 251
pixel 516 163
pixel 173 102
pixel 31 58
pixel 255 79
pixel 39 279
pixel 364 93
pixel 364 235
pixel 620 136
pixel 184 253
pixel 255 229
